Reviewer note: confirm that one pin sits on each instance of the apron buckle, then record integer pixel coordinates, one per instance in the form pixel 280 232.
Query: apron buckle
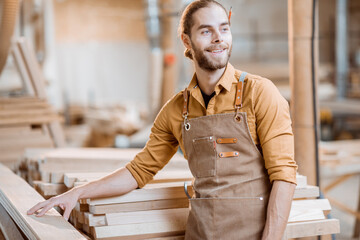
pixel 186 122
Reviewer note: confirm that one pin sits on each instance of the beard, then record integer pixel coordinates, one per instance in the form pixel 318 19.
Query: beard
pixel 206 62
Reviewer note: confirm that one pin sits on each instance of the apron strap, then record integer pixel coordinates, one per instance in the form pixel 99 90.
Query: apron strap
pixel 186 100
pixel 185 112
pixel 239 90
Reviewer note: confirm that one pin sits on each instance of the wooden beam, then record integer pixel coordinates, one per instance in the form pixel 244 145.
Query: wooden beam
pixel 151 192
pixel 307 192
pixel 139 206
pixel 313 228
pixel 141 231
pixel 165 215
pixel 300 31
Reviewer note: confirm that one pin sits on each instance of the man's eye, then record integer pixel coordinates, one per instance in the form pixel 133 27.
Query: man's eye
pixel 205 32
pixel 225 29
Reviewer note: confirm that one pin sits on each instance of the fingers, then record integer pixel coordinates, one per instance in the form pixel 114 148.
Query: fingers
pixel 37 207
pixel 46 208
pixel 67 212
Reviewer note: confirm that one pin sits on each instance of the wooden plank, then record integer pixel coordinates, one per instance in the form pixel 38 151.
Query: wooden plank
pixel 20 64
pixel 32 67
pixel 303 214
pixel 7 113
pixel 301 181
pixel 6 131
pixel 17 197
pixel 307 192
pixel 157 191
pixel 313 228
pixel 322 204
pixel 141 230
pixel 35 140
pixel 139 206
pixel 165 215
pixel 50 189
pixel 7 226
pixel 94 220
pixel 161 177
pixel 24 105
pixel 36 119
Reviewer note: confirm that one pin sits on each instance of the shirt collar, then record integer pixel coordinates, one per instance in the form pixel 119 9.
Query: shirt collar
pixel 226 80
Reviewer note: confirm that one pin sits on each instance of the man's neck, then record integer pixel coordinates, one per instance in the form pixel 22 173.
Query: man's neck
pixel 208 80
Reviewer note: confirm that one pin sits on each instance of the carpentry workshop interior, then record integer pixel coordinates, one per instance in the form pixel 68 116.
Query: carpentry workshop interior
pixel 82 82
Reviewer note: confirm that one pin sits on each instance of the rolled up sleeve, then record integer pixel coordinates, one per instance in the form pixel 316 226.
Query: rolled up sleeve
pixel 160 148
pixel 275 132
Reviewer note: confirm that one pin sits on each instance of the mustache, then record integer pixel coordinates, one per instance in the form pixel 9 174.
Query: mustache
pixel 217 47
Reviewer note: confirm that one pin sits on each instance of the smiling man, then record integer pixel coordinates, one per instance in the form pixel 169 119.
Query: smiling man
pixel 235 131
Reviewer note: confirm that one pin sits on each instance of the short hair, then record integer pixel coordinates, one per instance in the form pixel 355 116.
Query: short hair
pixel 186 20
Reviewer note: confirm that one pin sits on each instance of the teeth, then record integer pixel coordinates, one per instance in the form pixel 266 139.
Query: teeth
pixel 216 51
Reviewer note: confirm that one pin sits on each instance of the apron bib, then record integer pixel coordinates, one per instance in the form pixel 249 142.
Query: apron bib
pixel 231 184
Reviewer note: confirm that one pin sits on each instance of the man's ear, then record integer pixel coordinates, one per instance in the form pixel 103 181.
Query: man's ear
pixel 186 40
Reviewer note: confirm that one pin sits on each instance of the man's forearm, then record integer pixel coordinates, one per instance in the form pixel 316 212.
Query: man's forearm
pixel 278 210
pixel 119 182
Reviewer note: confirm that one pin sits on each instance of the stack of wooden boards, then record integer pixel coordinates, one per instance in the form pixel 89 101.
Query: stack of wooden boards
pixel 53 169
pixel 16 197
pixel 160 208
pixel 25 122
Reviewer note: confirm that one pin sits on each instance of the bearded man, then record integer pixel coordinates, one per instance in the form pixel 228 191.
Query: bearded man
pixel 235 131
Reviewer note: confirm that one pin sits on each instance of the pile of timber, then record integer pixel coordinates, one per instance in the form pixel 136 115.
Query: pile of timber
pixel 161 210
pixel 54 171
pixel 16 197
pixel 25 122
pixel 157 210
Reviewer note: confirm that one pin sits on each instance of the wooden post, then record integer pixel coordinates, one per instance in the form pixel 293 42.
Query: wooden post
pixel 300 32
pixel 168 38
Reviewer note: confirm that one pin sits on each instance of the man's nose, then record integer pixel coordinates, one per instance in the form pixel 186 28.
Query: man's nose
pixel 217 37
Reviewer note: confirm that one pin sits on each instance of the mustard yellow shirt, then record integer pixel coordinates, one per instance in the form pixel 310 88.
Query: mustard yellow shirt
pixel 267 115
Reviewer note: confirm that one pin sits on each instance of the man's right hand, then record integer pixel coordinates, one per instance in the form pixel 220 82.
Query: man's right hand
pixel 65 201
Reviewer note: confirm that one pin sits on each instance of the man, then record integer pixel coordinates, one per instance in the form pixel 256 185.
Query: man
pixel 231 126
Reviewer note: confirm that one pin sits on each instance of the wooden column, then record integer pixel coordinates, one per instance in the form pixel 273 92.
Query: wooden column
pixel 300 32
pixel 168 39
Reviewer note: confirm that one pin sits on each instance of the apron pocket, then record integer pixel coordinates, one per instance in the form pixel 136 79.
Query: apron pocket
pixel 204 163
pixel 226 218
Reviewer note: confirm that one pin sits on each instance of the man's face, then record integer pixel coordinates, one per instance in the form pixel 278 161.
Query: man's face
pixel 211 39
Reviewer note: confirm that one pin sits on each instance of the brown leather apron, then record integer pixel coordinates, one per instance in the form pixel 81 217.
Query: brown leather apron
pixel 231 183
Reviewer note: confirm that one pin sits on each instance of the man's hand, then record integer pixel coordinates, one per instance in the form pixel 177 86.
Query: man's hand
pixel 116 183
pixel 65 201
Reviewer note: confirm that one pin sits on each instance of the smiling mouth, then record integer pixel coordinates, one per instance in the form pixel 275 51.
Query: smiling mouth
pixel 216 51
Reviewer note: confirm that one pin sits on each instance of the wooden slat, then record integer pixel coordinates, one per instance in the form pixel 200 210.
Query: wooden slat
pixel 313 228
pixel 17 197
pixel 307 192
pixel 161 177
pixel 303 214
pixel 141 231
pixel 316 204
pixel 36 119
pixel 157 191
pixel 139 206
pixel 49 189
pixel 177 214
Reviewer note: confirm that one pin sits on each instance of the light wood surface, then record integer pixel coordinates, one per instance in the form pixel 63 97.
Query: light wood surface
pixel 16 196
